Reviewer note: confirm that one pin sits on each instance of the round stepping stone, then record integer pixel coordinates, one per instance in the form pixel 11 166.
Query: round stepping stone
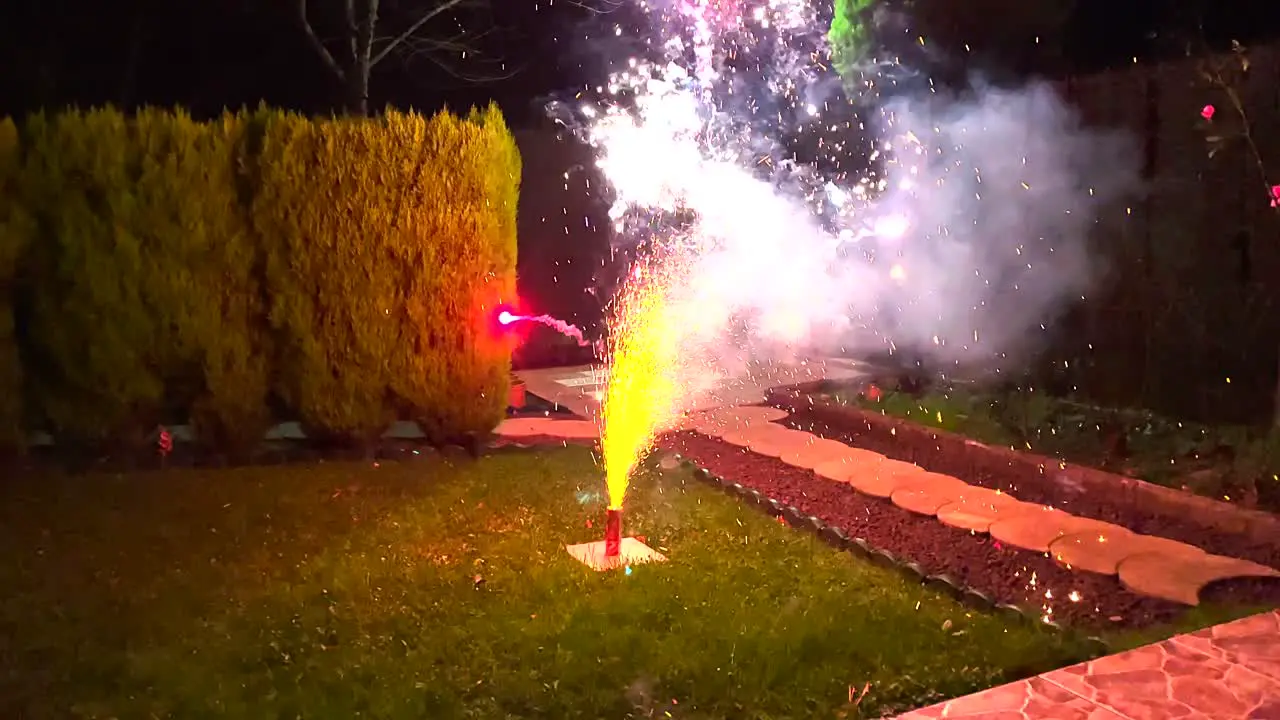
pixel 926 493
pixel 1101 550
pixel 1037 531
pixel 1180 578
pixel 976 511
pixel 817 452
pixel 720 421
pixel 882 479
pixel 854 460
pixel 744 437
pixel 782 442
pixel 566 429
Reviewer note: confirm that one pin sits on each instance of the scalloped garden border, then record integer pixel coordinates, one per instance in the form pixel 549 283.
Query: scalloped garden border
pixel 1128 493
pixel 841 540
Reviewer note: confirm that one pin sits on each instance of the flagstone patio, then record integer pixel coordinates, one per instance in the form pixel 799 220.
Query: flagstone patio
pixel 1226 672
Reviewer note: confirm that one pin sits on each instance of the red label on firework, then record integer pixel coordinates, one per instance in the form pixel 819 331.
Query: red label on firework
pixel 613 533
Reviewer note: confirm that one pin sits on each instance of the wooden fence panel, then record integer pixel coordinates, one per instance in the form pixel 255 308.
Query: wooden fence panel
pixel 1189 299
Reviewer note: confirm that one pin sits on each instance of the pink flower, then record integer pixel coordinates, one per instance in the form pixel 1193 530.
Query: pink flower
pixel 1275 196
pixel 1207 112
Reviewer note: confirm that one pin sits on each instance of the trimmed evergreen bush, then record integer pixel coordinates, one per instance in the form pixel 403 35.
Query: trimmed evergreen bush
pixel 203 283
pixel 93 337
pixel 183 269
pixel 452 350
pixel 388 243
pixel 12 236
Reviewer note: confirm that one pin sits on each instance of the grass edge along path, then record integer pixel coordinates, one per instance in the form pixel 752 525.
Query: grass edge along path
pixel 441 588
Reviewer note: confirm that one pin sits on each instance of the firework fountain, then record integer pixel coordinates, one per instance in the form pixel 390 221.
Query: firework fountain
pixel 769 196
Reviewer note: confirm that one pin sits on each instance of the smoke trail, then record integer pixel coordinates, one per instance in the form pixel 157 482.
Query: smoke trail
pixel 568 330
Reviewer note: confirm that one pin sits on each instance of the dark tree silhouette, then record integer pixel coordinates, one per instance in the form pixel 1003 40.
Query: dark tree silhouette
pixel 365 33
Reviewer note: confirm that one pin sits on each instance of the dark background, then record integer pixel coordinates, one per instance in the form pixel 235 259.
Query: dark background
pixel 228 53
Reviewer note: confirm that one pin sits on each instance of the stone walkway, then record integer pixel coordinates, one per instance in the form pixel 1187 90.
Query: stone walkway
pixel 1226 672
pixel 577 388
pixel 1147 565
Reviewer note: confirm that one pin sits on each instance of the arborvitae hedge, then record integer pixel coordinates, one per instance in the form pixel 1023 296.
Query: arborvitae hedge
pixel 12 235
pixel 190 270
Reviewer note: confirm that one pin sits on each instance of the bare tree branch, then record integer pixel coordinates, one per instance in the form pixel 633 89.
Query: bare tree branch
pixel 463 44
pixel 440 9
pixel 366 35
pixel 314 40
pixel 351 32
pixel 604 7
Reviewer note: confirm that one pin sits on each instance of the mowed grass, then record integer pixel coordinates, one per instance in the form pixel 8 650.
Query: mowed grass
pixel 350 590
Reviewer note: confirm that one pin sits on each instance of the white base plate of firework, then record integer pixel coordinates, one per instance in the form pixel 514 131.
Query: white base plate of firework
pixel 630 552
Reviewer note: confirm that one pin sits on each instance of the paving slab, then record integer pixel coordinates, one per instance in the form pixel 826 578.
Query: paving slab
pixel 925 493
pixel 579 388
pixel 549 427
pixel 718 422
pixel 1227 672
pixel 978 511
pixel 1180 576
pixel 1037 531
pixel 631 551
pixel 1029 699
pixel 1102 549
pixel 818 453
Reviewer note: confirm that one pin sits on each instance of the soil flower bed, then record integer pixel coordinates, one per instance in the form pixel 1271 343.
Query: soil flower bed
pixel 1231 463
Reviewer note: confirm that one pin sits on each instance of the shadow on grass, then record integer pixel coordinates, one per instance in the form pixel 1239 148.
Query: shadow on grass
pixel 442 589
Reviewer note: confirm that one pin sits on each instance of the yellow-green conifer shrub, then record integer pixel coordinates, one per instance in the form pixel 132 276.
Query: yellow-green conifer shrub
pixel 459 242
pixel 186 269
pixel 13 235
pixel 389 242
pixel 200 276
pixel 93 335
pixel 322 204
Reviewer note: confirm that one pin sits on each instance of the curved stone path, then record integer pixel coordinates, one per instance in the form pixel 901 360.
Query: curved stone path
pixel 1226 672
pixel 1146 565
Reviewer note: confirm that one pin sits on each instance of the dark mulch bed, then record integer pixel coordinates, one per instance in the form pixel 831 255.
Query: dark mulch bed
pixel 1024 481
pixel 1007 575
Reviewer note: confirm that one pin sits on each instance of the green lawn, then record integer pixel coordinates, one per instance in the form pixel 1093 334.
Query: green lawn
pixel 349 590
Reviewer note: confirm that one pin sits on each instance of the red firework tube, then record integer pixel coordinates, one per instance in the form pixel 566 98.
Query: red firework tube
pixel 613 533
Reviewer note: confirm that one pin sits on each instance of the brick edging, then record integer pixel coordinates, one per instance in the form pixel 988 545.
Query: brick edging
pixel 1208 513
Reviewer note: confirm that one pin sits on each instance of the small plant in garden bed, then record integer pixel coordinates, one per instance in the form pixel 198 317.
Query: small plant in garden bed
pixel 442 589
pixel 1231 463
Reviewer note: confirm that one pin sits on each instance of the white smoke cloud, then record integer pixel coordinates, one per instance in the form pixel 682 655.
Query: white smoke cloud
pixel 971 237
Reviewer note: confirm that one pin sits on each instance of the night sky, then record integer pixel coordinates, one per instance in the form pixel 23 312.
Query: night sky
pixel 207 56
pixel 227 53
